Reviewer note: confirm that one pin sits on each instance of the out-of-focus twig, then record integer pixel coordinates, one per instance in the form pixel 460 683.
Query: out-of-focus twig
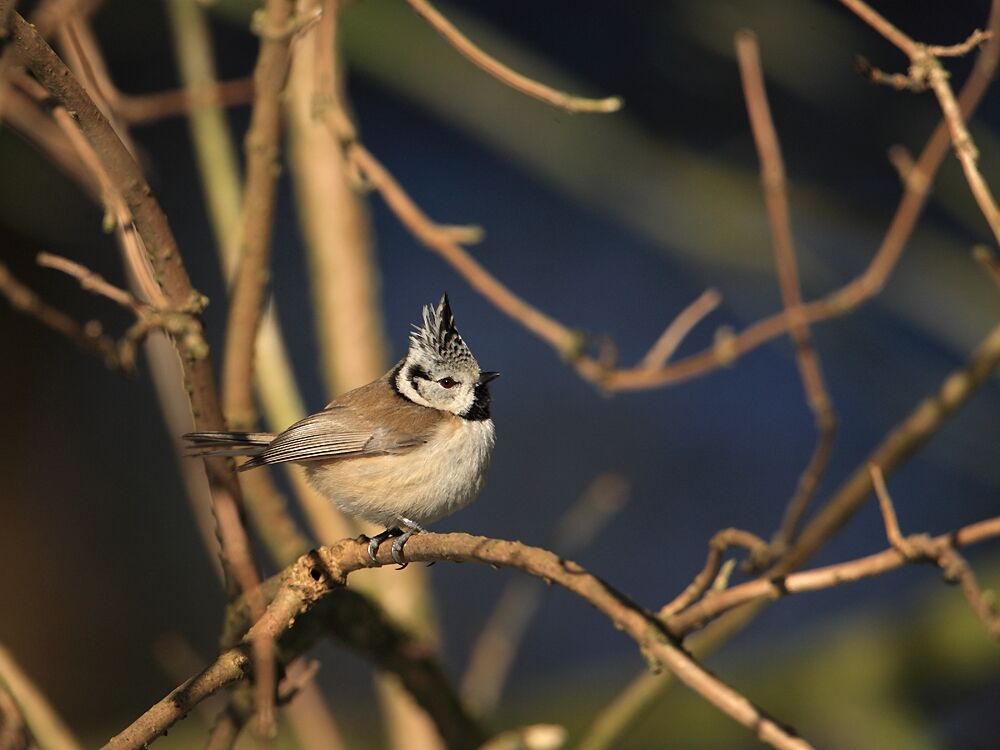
pixel 943 552
pixel 344 283
pixel 14 732
pixel 247 296
pixel 987 258
pixel 501 72
pixel 333 217
pixel 493 652
pixel 927 70
pixel 44 723
pixel 89 337
pixel 532 737
pixel 262 164
pixel 166 274
pixel 772 177
pixel 678 329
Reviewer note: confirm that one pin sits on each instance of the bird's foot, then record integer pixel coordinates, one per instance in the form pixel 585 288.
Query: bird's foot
pixel 375 541
pixel 397 544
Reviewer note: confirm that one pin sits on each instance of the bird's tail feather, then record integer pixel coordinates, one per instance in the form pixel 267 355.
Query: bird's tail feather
pixel 227 443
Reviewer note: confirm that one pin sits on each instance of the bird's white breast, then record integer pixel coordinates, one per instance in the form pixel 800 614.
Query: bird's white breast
pixel 423 485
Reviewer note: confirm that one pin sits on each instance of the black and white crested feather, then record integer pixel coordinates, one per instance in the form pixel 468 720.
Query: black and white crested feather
pixel 438 337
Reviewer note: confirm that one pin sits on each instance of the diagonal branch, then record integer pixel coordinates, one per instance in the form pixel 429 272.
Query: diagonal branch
pixel 501 72
pixel 316 575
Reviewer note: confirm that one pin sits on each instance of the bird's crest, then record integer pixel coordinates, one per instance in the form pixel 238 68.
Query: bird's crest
pixel 438 337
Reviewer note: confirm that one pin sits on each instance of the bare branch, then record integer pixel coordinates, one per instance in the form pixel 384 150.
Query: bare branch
pixel 126 181
pixel 772 177
pixel 678 329
pixel 987 258
pixel 940 549
pixel 926 70
pixel 720 543
pixel 892 533
pixel 502 73
pixel 45 724
pixel 93 282
pixel 89 337
pixel 314 576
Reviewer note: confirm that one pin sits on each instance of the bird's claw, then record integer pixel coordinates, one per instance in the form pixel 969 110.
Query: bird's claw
pixel 375 541
pixel 397 549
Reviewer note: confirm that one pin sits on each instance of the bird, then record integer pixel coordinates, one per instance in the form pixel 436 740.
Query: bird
pixel 403 451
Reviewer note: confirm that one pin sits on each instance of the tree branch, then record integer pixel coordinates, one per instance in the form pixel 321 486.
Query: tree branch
pixel 772 177
pixel 317 574
pixel 502 73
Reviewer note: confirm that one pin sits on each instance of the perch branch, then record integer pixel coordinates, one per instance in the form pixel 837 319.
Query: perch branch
pixel 315 575
pixel 501 72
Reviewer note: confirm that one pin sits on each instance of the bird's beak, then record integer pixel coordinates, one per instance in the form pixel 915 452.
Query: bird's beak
pixel 486 377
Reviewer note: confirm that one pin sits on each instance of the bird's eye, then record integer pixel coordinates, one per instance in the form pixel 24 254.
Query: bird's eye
pixel 447 383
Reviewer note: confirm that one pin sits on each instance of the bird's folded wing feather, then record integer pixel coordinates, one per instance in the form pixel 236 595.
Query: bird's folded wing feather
pixel 332 433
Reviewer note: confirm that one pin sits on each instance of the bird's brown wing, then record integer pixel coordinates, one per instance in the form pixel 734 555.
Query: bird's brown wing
pixel 371 420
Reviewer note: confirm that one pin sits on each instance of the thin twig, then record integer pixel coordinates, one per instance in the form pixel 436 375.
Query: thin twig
pixel 89 337
pixel 93 282
pixel 926 69
pixel 772 177
pixel 314 576
pixel 502 73
pixel 975 40
pixel 45 724
pixel 678 329
pixel 942 552
pixel 142 109
pixel 940 549
pixel 720 543
pixel 987 258
pixel 892 532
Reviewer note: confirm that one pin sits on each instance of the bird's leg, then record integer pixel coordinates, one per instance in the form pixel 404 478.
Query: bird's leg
pixel 376 540
pixel 412 527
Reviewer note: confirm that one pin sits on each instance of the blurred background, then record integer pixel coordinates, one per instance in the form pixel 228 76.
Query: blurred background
pixel 612 224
